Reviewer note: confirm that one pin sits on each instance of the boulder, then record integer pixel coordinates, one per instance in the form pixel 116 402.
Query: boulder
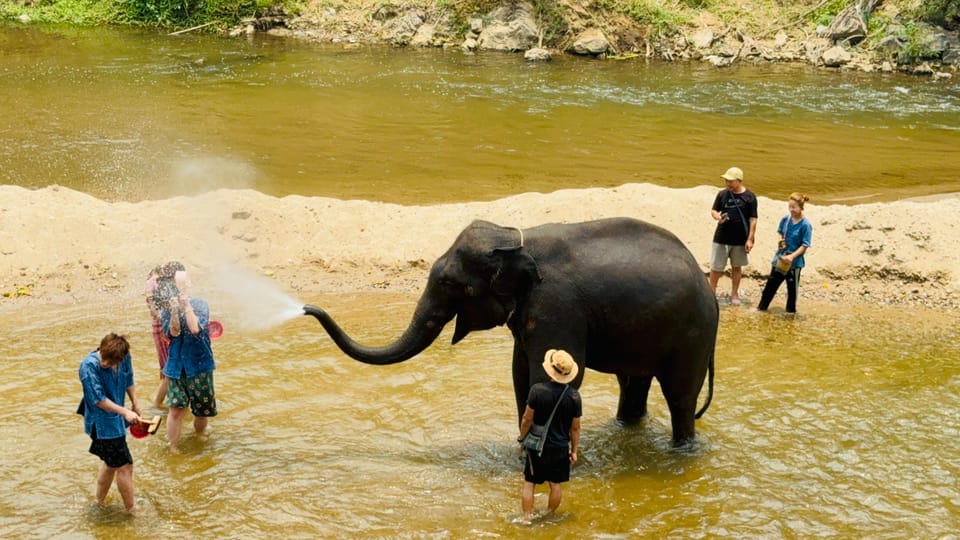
pixel 780 39
pixel 848 25
pixel 951 55
pixel 702 39
pixel 835 57
pixel 513 29
pixel 400 30
pixel 538 54
pixel 424 36
pixel 590 42
pixel 889 45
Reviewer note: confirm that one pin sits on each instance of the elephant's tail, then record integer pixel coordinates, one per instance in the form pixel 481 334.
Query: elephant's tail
pixel 709 387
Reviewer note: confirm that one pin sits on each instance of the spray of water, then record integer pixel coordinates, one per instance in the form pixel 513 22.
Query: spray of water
pixel 253 301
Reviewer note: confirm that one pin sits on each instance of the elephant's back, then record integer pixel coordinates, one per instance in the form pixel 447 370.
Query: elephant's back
pixel 624 247
pixel 627 276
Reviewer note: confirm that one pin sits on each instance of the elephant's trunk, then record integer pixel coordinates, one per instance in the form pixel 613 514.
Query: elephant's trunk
pixel 424 328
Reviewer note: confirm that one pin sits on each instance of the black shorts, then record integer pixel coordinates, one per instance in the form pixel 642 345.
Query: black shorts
pixel 113 452
pixel 552 466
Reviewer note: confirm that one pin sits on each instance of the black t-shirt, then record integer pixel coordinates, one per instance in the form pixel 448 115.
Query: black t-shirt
pixel 542 398
pixel 739 207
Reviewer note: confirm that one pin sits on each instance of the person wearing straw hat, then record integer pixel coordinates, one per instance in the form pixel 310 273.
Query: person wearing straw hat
pixel 735 211
pixel 106 375
pixel 556 398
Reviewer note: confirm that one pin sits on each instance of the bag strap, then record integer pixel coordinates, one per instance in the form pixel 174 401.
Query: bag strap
pixel 546 427
pixel 746 224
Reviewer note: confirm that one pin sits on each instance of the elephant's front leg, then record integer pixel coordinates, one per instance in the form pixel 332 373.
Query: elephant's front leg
pixel 633 398
pixel 521 379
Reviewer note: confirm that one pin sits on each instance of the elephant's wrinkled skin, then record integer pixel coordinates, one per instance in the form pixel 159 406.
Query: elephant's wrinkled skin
pixel 622 296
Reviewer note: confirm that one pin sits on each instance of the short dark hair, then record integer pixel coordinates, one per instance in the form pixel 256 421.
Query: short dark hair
pixel 114 348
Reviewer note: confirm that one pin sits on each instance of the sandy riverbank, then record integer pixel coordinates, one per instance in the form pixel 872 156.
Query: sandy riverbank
pixel 59 246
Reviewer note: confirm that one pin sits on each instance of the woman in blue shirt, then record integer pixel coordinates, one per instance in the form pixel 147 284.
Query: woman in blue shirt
pixel 190 363
pixel 107 376
pixel 796 233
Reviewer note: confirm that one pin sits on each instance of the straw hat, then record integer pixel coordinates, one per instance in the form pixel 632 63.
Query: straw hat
pixel 560 366
pixel 733 173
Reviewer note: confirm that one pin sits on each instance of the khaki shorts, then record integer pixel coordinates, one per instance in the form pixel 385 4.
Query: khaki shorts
pixel 721 252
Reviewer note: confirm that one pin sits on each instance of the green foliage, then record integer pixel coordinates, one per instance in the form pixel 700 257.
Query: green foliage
pixel 945 13
pixel 551 18
pixel 77 12
pixel 463 10
pixel 165 13
pixel 172 13
pixel 915 48
pixel 826 12
pixel 662 19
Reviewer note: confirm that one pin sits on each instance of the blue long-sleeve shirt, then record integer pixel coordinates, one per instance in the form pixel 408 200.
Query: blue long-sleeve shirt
pixel 189 353
pixel 104 383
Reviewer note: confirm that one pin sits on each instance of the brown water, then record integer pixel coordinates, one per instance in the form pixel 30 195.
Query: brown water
pixel 128 115
pixel 837 423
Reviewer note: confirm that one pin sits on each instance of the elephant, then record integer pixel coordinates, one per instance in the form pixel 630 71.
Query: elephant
pixel 622 296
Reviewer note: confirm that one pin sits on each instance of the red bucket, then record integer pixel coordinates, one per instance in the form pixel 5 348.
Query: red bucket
pixel 215 329
pixel 139 431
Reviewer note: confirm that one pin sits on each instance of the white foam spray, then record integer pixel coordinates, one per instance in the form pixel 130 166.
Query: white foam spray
pixel 253 301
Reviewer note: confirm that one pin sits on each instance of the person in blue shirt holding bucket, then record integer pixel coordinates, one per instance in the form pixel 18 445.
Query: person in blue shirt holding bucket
pixel 106 375
pixel 796 233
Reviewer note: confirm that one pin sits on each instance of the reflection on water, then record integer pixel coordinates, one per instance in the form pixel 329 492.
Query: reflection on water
pixel 835 423
pixel 131 115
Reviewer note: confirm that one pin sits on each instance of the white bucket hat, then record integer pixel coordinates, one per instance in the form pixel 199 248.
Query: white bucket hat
pixel 560 366
pixel 733 173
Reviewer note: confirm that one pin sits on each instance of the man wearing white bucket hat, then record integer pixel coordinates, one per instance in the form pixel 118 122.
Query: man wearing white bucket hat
pixel 556 403
pixel 735 211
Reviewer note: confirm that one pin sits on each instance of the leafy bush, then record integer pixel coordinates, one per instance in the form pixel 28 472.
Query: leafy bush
pixel 915 48
pixel 661 19
pixel 78 12
pixel 945 13
pixel 168 13
pixel 189 12
pixel 827 11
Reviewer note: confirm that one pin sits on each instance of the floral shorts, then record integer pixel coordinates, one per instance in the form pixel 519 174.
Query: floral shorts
pixel 194 391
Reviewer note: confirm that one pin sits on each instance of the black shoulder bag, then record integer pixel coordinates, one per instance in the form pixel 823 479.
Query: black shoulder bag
pixel 534 440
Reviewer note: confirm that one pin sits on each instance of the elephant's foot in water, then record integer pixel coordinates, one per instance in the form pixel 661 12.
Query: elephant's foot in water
pixel 633 399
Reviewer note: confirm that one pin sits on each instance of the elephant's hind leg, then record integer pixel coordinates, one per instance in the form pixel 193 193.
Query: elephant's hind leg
pixel 682 405
pixel 633 398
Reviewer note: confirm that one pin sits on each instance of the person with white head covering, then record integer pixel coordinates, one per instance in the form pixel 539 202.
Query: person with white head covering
pixel 559 403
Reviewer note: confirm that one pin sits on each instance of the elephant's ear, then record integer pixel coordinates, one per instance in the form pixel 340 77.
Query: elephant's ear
pixel 517 274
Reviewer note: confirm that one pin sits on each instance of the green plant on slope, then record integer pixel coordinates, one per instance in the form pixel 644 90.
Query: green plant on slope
pixel 663 18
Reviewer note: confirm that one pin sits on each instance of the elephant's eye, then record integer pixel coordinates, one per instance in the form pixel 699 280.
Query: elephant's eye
pixel 448 283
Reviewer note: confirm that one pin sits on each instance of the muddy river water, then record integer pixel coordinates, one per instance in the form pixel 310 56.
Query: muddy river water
pixel 819 428
pixel 842 422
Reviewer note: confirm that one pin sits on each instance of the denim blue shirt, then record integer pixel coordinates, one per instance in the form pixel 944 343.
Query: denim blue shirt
pixel 104 383
pixel 796 234
pixel 190 353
